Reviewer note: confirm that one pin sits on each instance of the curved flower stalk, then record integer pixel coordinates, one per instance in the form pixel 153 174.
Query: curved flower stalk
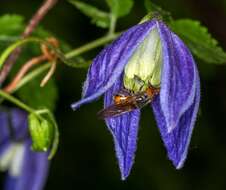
pixel 26 170
pixel 154 54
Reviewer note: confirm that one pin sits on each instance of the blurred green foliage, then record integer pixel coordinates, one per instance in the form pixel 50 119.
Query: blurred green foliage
pixel 120 8
pixel 199 40
pixel 99 17
pixel 32 93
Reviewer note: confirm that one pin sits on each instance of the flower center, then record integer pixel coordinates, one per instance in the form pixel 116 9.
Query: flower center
pixel 144 67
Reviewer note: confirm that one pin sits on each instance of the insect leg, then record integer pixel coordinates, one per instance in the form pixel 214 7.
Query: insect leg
pixel 139 81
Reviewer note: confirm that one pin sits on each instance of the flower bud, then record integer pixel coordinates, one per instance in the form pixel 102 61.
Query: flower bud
pixel 41 133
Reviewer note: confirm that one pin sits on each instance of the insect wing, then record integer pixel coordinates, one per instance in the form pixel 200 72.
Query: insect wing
pixel 115 110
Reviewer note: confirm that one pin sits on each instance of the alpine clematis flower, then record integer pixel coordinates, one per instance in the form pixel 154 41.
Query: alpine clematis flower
pixel 26 170
pixel 154 54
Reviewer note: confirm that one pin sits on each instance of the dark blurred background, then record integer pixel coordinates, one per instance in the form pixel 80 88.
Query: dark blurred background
pixel 86 158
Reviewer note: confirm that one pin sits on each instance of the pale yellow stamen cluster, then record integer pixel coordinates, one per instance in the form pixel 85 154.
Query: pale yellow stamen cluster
pixel 145 64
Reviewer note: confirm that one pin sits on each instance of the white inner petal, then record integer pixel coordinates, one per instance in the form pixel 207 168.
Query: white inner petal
pixel 17 160
pixel 146 61
pixel 12 158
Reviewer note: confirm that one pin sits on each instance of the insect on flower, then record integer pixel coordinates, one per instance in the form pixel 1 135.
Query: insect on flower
pixel 149 51
pixel 126 101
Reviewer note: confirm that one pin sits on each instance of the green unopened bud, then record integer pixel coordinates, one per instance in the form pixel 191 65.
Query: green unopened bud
pixel 41 133
pixel 145 64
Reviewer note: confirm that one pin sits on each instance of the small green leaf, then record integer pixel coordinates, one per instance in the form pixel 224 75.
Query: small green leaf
pixel 11 24
pixel 120 8
pixel 201 43
pixel 41 133
pixel 99 17
pixel 5 54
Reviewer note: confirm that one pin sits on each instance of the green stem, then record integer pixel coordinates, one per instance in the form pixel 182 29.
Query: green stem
pixel 29 77
pixel 73 53
pixel 92 45
pixel 16 101
pixel 8 50
pixel 112 24
pixel 12 47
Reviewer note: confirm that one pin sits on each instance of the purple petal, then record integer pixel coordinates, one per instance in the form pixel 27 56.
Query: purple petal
pixel 177 79
pixel 4 147
pixel 4 130
pixel 19 123
pixel 13 126
pixel 33 173
pixel 177 142
pixel 124 129
pixel 109 64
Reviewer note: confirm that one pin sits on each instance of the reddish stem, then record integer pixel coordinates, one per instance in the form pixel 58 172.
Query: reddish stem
pixel 24 69
pixel 49 74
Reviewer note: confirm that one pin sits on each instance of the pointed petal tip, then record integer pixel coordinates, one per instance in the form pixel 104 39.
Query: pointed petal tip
pixel 88 99
pixel 180 164
pixel 124 177
pixel 77 104
pixel 125 173
pixel 74 106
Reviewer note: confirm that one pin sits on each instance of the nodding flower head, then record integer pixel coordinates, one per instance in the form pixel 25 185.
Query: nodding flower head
pixel 147 64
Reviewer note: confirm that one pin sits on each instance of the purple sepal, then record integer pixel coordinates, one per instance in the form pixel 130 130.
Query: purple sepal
pixel 177 142
pixel 13 127
pixel 124 129
pixel 175 108
pixel 19 123
pixel 4 130
pixel 178 78
pixel 33 172
pixel 109 64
